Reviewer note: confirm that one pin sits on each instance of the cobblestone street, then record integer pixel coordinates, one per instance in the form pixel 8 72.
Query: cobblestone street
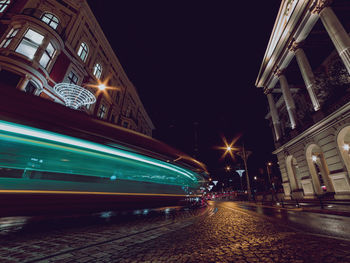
pixel 221 233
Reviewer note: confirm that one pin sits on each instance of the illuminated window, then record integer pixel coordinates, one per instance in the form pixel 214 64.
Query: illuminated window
pixel 98 70
pixel 102 111
pixel 30 43
pixel 47 56
pixel 72 78
pixel 50 19
pixel 9 38
pixel 83 51
pixel 3 5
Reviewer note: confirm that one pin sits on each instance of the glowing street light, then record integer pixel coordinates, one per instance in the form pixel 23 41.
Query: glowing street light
pixel 346 147
pixel 240 151
pixel 268 171
pixel 101 90
pixel 102 86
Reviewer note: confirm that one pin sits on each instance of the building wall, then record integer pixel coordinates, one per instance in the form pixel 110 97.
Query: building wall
pixel 310 118
pixel 77 24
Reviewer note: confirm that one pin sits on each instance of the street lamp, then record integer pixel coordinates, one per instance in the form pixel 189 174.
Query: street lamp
pixel 268 171
pixel 244 155
pixel 102 86
pixel 241 151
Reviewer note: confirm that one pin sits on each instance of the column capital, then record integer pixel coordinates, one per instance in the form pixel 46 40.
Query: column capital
pixel 320 5
pixel 294 46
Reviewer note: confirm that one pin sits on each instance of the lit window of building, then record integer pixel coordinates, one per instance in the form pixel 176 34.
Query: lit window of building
pixel 47 56
pixel 30 43
pixel 102 111
pixel 9 38
pixel 83 51
pixel 97 70
pixel 50 19
pixel 72 78
pixel 3 5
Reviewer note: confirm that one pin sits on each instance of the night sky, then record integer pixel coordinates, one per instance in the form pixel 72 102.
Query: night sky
pixel 194 65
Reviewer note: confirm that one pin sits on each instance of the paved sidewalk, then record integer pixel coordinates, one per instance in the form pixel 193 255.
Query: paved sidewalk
pixel 333 207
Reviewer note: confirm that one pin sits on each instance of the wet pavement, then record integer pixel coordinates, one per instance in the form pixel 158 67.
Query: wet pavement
pixel 222 232
pixel 322 224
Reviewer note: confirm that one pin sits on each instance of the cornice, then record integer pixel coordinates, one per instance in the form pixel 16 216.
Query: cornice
pixel 320 5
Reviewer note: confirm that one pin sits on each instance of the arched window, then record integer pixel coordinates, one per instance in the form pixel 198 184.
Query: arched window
pixel 3 5
pixel 97 70
pixel 50 19
pixel 83 51
pixel 318 169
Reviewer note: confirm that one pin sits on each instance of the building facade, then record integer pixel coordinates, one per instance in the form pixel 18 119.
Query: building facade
pixel 305 75
pixel 46 42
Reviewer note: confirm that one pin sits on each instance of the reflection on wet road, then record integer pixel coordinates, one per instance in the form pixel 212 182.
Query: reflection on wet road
pixel 19 225
pixel 316 223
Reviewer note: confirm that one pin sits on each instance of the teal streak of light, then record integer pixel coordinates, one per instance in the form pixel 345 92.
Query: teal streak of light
pixel 50 136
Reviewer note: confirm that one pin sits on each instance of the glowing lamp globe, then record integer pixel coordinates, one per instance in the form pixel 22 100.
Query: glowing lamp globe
pixel 73 95
pixel 102 86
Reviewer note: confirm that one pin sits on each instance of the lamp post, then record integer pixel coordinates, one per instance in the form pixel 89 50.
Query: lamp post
pixel 268 171
pixel 244 154
pixel 240 172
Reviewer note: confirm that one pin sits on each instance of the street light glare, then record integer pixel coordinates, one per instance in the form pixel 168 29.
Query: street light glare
pixel 102 86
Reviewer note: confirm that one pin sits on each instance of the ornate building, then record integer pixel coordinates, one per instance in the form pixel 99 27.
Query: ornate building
pixel 47 42
pixel 305 75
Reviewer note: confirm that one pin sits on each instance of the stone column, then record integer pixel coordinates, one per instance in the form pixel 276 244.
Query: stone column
pixel 274 116
pixel 335 30
pixel 288 99
pixel 306 72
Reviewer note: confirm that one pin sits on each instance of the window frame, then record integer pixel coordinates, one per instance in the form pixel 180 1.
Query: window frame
pixel 83 51
pixel 51 17
pixel 98 70
pixel 30 43
pixel 70 79
pixel 50 56
pixel 9 37
pixel 4 5
pixel 102 111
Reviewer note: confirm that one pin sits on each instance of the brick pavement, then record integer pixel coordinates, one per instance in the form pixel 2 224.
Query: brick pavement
pixel 223 235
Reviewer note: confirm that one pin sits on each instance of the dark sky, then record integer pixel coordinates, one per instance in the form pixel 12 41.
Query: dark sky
pixel 196 62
